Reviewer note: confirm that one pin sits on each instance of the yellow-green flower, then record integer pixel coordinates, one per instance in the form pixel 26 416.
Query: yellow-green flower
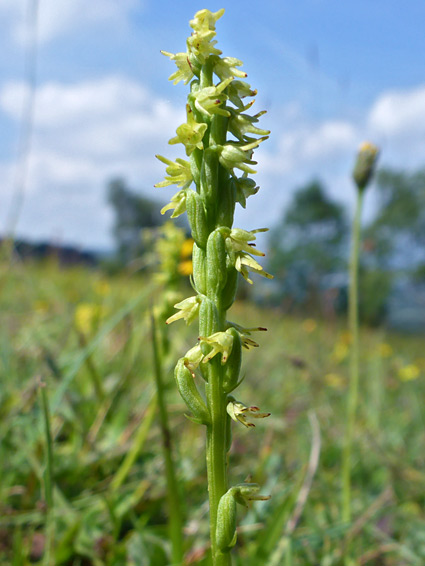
pixel 239 240
pixel 244 188
pixel 205 20
pixel 245 263
pixel 242 124
pixel 193 358
pixel 234 155
pixel 221 343
pixel 184 68
pixel 188 308
pixel 208 100
pixel 227 67
pixel 190 133
pixel 177 203
pixel 240 412
pixel 200 44
pixel 178 172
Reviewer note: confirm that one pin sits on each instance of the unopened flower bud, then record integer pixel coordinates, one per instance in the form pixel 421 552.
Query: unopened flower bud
pixel 365 164
pixel 241 493
pixel 188 390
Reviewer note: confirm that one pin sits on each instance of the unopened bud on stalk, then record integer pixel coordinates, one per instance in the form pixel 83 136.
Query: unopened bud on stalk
pixel 365 164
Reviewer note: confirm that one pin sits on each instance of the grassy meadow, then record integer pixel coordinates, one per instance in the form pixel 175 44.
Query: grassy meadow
pixel 82 478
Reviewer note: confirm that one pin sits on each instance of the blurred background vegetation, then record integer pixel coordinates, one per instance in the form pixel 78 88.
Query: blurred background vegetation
pixel 75 332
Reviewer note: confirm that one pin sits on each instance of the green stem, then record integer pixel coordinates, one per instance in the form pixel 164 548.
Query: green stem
pixel 174 504
pixel 353 322
pixel 137 446
pixel 48 558
pixel 217 458
pixel 92 371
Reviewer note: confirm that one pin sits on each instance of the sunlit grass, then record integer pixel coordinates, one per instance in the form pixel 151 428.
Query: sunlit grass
pixel 110 510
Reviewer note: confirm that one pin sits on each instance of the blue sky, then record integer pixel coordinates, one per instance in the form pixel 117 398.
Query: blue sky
pixel 330 74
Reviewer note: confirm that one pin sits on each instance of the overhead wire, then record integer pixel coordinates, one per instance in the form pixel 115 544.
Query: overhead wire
pixel 26 130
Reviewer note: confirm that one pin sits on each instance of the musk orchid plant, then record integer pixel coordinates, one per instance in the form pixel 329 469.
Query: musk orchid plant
pixel 219 138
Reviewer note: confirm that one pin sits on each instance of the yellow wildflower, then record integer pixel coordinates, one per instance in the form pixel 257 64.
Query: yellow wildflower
pixel 86 315
pixel 385 350
pixel 185 268
pixel 409 372
pixel 102 288
pixel 340 352
pixel 186 249
pixel 334 380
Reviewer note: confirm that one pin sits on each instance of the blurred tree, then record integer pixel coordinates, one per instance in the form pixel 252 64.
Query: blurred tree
pixel 394 242
pixel 133 212
pixel 396 238
pixel 308 244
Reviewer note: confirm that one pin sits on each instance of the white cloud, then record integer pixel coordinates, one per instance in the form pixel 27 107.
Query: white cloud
pixel 86 133
pixel 399 113
pixel 326 150
pixel 311 144
pixel 61 17
pixel 90 131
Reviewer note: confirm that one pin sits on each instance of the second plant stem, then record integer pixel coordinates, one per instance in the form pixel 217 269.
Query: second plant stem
pixel 175 524
pixel 353 320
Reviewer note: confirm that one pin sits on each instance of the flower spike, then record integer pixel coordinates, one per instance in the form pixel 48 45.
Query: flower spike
pixel 220 136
